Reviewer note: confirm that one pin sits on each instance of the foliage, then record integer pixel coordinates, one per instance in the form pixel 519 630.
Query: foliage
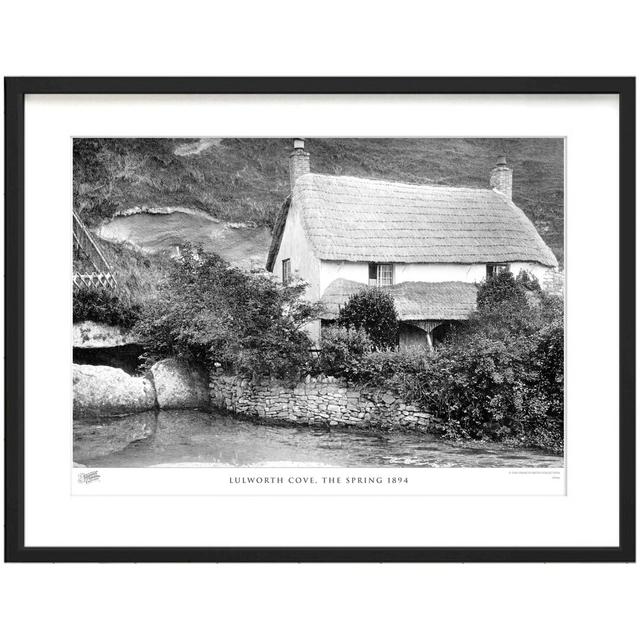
pixel 349 354
pixel 341 351
pixel 214 313
pixel 393 369
pixel 502 377
pixel 105 306
pixel 138 274
pixel 501 289
pixel 483 388
pixel 508 306
pixel 499 377
pixel 373 310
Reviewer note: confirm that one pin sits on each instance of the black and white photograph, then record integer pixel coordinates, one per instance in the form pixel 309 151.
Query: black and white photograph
pixel 320 320
pixel 346 326
pixel 318 302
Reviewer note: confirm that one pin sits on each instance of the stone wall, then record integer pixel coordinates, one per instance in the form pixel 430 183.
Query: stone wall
pixel 321 400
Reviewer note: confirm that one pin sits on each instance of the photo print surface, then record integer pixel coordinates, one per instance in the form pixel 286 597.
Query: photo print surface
pixel 316 302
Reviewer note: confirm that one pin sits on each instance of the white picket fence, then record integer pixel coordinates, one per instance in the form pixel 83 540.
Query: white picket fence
pixel 98 280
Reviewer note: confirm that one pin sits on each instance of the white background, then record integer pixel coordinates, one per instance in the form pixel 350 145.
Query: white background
pixel 545 38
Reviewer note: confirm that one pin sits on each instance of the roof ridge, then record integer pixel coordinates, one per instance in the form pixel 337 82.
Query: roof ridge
pixel 396 182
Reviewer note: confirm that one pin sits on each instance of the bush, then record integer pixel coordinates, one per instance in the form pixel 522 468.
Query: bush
pixel 105 306
pixel 497 390
pixel 476 387
pixel 501 377
pixel 211 312
pixel 373 310
pixel 501 289
pixel 349 354
pixel 390 368
pixel 342 351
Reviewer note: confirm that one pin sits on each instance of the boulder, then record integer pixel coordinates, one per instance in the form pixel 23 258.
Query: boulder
pixel 180 384
pixel 94 335
pixel 103 391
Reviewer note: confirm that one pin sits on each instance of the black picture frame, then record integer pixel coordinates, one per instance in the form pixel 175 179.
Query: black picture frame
pixel 15 91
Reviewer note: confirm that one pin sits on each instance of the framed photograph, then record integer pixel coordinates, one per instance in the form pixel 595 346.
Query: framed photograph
pixel 320 319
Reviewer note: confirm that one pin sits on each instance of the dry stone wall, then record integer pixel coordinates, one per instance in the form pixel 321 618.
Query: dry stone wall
pixel 321 400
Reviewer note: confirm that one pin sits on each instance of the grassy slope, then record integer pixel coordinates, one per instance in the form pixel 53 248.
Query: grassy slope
pixel 137 274
pixel 245 180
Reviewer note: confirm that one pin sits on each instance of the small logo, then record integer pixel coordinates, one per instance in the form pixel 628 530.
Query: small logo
pixel 89 476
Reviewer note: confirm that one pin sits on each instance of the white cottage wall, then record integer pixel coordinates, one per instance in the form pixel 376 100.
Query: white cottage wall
pixel 419 272
pixel 304 264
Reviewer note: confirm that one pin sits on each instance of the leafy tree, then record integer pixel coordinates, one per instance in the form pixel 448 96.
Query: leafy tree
pixel 212 312
pixel 373 310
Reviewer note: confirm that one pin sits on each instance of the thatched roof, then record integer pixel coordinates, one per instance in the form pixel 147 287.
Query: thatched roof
pixel 414 300
pixel 356 219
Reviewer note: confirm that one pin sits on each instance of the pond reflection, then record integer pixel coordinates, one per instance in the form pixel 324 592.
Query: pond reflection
pixel 198 438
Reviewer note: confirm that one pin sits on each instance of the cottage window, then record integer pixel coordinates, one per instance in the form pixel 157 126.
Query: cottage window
pixel 495 268
pixel 286 271
pixel 385 275
pixel 380 275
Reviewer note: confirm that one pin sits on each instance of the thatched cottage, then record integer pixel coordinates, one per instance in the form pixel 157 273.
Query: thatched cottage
pixel 428 245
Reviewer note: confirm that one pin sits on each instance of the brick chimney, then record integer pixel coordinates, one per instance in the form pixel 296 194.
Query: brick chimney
pixel 502 177
pixel 298 161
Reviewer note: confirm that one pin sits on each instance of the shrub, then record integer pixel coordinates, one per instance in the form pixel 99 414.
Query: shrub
pixel 349 354
pixel 501 377
pixel 342 351
pixel 373 310
pixel 528 281
pixel 500 289
pixel 212 312
pixel 508 306
pixel 105 306
pixel 400 371
pixel 477 388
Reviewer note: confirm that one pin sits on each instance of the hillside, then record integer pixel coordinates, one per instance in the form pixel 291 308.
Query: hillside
pixel 244 181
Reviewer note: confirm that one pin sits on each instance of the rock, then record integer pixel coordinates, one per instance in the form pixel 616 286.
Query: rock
pixel 179 384
pixel 102 391
pixel 93 335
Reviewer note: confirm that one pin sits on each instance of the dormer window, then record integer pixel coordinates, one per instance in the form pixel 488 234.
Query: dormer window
pixel 380 274
pixel 286 271
pixel 494 268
